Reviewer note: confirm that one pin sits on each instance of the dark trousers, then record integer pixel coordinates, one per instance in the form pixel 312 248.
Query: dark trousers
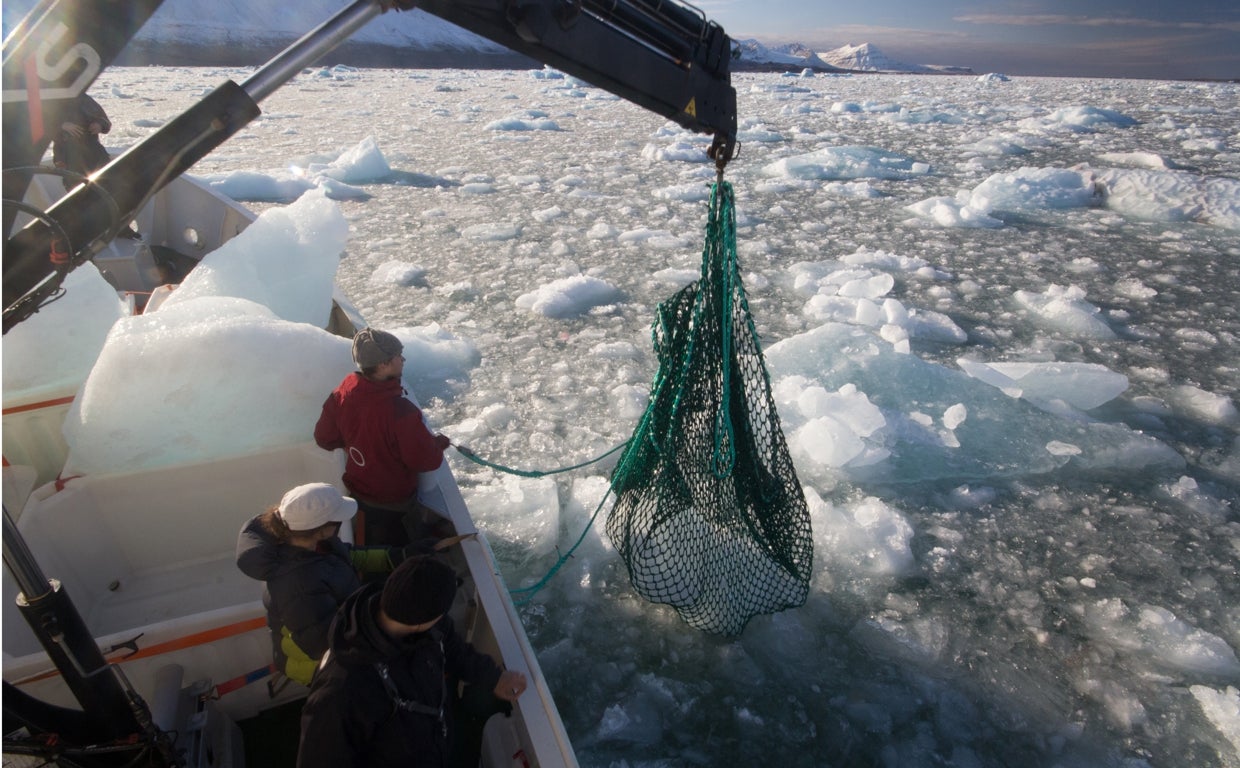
pixel 397 527
pixel 380 525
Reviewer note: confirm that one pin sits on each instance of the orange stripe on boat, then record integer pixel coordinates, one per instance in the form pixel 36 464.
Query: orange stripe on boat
pixel 205 637
pixel 201 638
pixel 38 405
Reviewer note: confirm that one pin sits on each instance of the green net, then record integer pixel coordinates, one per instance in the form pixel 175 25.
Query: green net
pixel 709 516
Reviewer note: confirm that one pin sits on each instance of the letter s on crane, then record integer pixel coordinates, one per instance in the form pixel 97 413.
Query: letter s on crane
pixel 40 70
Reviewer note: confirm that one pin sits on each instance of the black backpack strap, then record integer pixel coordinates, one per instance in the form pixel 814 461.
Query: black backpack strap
pixel 400 704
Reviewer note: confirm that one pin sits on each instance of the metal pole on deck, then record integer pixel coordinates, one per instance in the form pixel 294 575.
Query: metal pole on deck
pixel 61 631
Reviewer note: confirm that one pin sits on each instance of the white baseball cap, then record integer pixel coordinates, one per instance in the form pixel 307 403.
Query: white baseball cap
pixel 308 506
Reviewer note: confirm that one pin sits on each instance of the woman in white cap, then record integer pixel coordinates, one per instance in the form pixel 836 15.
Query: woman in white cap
pixel 295 549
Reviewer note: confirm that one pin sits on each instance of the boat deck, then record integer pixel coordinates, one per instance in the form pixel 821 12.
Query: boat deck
pixel 164 594
pixel 151 555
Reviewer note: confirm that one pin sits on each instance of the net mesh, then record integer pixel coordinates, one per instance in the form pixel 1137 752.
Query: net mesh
pixel 709 516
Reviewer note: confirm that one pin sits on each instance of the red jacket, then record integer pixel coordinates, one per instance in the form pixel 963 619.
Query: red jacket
pixel 385 440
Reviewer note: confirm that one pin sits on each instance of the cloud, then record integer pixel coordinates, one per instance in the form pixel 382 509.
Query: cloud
pixel 1154 48
pixel 1053 19
pixel 825 38
pixel 714 8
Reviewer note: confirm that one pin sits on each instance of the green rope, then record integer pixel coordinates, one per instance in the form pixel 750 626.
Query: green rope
pixel 724 457
pixel 533 590
pixel 467 453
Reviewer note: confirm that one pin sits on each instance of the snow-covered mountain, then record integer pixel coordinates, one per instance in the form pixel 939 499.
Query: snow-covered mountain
pixel 756 55
pixel 856 58
pixel 234 22
pixel 248 32
pixel 867 58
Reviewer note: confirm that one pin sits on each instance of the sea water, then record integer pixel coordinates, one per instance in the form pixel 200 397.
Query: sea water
pixel 1001 319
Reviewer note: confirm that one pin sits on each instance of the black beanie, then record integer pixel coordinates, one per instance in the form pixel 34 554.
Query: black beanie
pixel 419 590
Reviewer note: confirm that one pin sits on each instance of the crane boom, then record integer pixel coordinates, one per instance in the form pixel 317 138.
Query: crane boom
pixel 659 54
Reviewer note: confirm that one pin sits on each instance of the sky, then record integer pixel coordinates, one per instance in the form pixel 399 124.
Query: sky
pixel 1192 39
pixel 1108 38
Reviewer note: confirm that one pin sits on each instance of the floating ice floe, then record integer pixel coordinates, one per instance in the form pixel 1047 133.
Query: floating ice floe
pixel 1078 120
pixel 1158 195
pixel 848 162
pixel 683 149
pixel 1197 403
pixel 759 133
pixel 1148 160
pixel 1222 708
pixel 685 193
pixel 867 539
pixel 948 425
pixel 855 294
pixel 493 231
pixel 398 273
pixel 1064 310
pixel 1152 194
pixel 1159 639
pixel 569 297
pixel 1080 385
pixel 530 120
pixel 361 164
pixel 546 73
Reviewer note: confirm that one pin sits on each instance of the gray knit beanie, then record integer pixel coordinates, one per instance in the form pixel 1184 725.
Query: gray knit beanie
pixel 372 347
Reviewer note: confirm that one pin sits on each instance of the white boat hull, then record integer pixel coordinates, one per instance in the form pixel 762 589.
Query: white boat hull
pixel 148 557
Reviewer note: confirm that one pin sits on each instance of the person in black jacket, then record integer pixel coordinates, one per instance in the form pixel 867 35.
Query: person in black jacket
pixel 294 548
pixel 383 695
pixel 76 146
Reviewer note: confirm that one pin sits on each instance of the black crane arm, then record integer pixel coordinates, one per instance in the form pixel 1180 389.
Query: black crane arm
pixel 659 54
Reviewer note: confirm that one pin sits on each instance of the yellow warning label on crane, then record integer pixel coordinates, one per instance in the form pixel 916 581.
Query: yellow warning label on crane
pixel 691 108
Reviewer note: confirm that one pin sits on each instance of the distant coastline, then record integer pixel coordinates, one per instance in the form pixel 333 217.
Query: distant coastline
pixel 252 53
pixel 161 53
pixel 744 65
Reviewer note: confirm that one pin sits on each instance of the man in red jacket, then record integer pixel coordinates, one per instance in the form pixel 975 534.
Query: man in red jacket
pixel 385 440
